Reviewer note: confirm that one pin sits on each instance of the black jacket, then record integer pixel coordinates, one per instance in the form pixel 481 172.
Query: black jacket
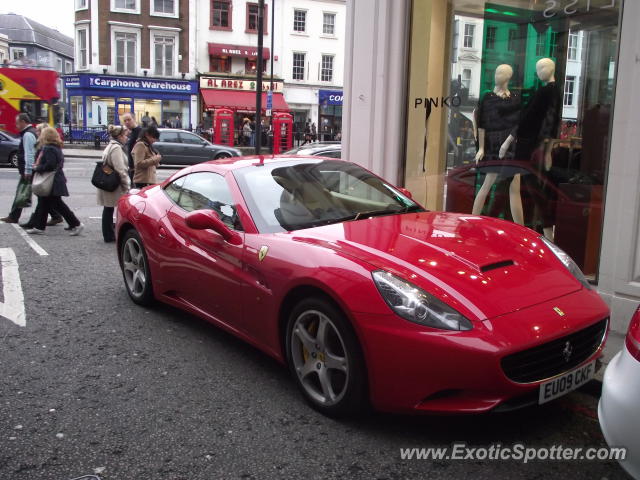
pixel 133 138
pixel 52 159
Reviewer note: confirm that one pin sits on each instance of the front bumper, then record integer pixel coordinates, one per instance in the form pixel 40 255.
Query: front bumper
pixel 416 369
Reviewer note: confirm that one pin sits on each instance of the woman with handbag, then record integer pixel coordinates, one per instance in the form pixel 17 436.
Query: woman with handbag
pixel 115 159
pixel 146 158
pixel 50 184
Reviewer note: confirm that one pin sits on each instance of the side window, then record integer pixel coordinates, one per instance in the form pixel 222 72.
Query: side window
pixel 205 190
pixel 332 154
pixel 174 189
pixel 168 136
pixel 190 139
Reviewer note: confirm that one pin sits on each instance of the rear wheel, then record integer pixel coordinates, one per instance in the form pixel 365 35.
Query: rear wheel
pixel 325 358
pixel 135 269
pixel 222 155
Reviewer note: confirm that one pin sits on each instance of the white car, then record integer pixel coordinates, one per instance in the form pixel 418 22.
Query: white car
pixel 619 407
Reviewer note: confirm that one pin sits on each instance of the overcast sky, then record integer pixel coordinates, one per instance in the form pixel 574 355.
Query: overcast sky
pixel 58 14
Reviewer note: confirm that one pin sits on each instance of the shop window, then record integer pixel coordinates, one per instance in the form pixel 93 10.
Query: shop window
pixel 251 65
pixel 164 52
pixel 253 11
pixel 572 53
pixel 329 23
pixel 81 46
pixel 300 21
pixel 490 42
pixel 298 66
pixel 220 64
pixel 164 8
pixel 326 71
pixel 101 111
pixel 541 44
pixel 469 31
pixel 511 42
pixel 221 14
pixel 569 85
pixel 125 52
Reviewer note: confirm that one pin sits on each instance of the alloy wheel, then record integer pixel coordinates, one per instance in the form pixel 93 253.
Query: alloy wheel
pixel 134 266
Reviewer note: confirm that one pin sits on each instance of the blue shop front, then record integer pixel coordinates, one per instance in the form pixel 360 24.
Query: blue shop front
pixel 99 100
pixel 330 114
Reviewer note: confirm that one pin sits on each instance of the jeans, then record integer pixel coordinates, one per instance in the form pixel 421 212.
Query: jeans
pixel 48 204
pixel 108 232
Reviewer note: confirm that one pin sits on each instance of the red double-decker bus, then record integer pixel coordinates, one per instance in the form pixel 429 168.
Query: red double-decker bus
pixel 30 90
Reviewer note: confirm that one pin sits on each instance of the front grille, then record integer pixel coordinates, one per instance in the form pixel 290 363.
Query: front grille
pixel 550 359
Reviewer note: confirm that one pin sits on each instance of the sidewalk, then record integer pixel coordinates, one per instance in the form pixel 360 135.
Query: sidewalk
pixel 77 151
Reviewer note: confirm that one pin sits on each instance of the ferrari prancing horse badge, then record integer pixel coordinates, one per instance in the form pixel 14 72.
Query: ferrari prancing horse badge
pixel 263 252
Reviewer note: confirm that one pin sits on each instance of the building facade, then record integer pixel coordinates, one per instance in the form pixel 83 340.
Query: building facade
pixel 31 44
pixel 134 56
pixel 4 49
pixel 573 63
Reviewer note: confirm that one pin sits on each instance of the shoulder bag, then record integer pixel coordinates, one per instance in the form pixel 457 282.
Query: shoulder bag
pixel 42 183
pixel 104 177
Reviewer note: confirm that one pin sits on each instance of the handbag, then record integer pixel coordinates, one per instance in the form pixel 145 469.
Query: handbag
pixel 42 183
pixel 104 177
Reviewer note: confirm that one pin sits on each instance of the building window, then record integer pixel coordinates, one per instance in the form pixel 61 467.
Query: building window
pixel 220 64
pixel 18 53
pixel 540 44
pixel 164 49
pixel 128 6
pixel 251 66
pixel 298 66
pixel 59 65
pixel 329 23
pixel 466 78
pixel 81 4
pixel 511 43
pixel 68 67
pixel 569 85
pixel 164 8
pixel 81 45
pixel 326 70
pixel 573 46
pixel 252 18
pixel 490 42
pixel 300 21
pixel 125 52
pixel 553 44
pixel 469 31
pixel 221 14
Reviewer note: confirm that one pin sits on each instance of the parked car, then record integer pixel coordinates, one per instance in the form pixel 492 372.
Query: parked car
pixel 365 295
pixel 9 149
pixel 619 407
pixel 179 147
pixel 318 149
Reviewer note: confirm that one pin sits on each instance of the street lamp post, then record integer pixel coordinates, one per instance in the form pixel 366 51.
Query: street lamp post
pixel 259 79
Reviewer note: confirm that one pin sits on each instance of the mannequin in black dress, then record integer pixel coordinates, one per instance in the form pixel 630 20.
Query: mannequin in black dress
pixel 497 117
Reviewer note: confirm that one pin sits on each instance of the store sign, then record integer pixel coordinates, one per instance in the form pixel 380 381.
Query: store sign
pixel 237 84
pixel 330 97
pixel 132 83
pixel 571 7
pixel 73 81
pixel 226 50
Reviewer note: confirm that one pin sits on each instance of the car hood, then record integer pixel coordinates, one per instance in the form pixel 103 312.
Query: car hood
pixel 481 266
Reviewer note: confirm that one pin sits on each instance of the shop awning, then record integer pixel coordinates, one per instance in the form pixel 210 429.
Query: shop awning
pixel 242 101
pixel 226 50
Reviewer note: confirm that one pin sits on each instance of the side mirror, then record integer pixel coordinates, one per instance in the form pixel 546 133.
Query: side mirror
pixel 405 192
pixel 209 220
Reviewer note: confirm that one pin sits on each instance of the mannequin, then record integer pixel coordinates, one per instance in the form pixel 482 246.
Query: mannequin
pixel 497 117
pixel 538 126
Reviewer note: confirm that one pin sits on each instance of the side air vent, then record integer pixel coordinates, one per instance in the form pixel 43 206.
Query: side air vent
pixel 494 266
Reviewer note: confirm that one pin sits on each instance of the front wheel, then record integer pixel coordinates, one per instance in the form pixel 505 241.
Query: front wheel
pixel 135 269
pixel 222 155
pixel 325 358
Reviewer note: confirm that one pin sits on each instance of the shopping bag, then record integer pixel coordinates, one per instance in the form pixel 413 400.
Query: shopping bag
pixel 23 195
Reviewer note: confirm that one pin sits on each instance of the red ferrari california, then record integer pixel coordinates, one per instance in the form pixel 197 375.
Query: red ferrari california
pixel 368 298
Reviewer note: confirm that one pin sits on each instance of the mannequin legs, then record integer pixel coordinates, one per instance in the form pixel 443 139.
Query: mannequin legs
pixel 515 200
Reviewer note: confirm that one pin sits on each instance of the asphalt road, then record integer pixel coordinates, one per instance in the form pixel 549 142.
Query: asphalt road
pixel 96 385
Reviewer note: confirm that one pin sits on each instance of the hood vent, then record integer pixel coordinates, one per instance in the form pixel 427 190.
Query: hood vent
pixel 494 266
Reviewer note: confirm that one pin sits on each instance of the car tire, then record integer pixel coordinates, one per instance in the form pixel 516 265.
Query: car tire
pixel 328 366
pixel 13 159
pixel 135 269
pixel 222 155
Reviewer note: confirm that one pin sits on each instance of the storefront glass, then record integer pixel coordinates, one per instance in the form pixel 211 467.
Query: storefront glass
pixel 175 114
pixel 148 108
pixel 76 114
pixel 516 122
pixel 100 111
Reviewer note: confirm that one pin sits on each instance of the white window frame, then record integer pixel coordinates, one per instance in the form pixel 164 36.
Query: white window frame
pixel 466 82
pixel 472 27
pixel 85 29
pixel 306 21
pixel 335 21
pixel 570 80
pixel 333 69
pixel 79 5
pixel 153 13
pixel 12 50
pixel 68 66
pixel 59 65
pixel 304 66
pixel 136 10
pixel 152 52
pixel 123 29
pixel 573 48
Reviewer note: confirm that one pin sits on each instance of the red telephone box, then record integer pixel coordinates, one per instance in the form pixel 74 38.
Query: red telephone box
pixel 223 127
pixel 282 125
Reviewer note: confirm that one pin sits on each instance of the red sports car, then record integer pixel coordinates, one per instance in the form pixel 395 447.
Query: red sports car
pixel 366 296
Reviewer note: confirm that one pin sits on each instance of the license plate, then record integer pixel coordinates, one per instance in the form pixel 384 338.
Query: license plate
pixel 566 383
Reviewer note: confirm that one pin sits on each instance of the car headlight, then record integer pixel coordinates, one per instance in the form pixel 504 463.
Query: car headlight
pixel 416 305
pixel 567 262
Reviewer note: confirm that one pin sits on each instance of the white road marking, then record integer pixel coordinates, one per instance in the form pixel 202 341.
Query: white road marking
pixel 13 306
pixel 30 241
pixel 95 218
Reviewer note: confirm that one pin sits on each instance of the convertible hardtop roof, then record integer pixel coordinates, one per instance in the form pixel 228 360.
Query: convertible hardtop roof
pixel 234 163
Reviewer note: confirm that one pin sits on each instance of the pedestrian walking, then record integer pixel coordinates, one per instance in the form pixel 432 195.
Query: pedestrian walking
pixel 134 132
pixel 178 122
pixel 146 158
pixel 26 157
pixel 114 157
pixel 314 132
pixel 51 159
pixel 146 119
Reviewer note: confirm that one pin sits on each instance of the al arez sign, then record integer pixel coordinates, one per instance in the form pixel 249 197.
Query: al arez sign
pixel 219 83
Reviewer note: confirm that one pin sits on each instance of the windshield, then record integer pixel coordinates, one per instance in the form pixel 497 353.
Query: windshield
pixel 293 195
